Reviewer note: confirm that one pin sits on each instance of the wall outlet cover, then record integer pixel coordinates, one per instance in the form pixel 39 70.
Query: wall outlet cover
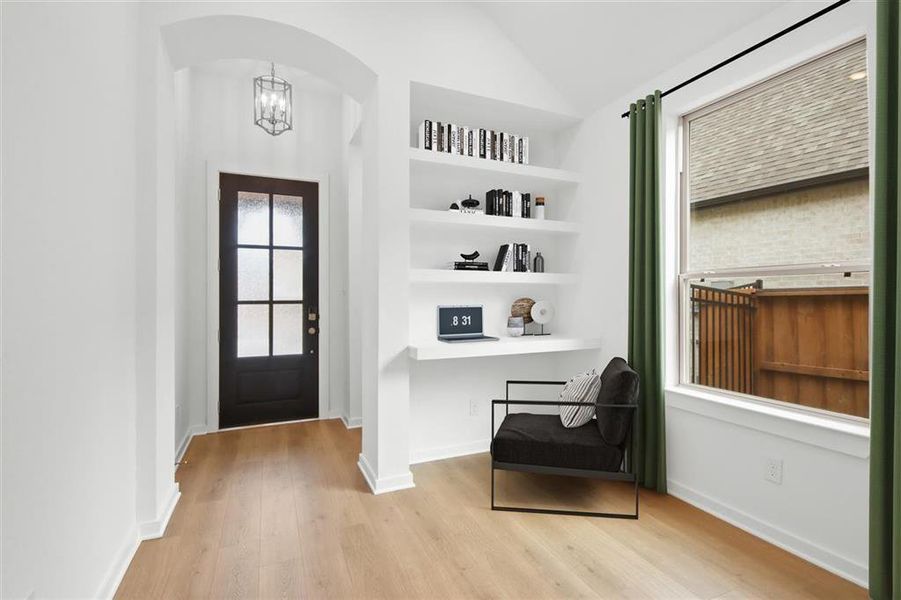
pixel 774 470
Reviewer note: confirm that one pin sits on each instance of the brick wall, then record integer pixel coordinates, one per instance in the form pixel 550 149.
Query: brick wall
pixel 828 223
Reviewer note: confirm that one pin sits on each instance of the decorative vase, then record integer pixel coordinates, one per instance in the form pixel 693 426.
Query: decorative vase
pixel 515 326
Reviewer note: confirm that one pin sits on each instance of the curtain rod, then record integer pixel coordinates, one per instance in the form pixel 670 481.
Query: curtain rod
pixel 760 44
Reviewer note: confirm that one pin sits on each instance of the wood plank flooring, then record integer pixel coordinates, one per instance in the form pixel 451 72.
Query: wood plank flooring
pixel 283 512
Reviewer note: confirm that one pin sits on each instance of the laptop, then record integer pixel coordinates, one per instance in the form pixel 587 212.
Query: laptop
pixel 461 324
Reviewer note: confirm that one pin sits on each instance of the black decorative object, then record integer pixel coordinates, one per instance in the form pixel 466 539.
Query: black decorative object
pixel 454 206
pixel 539 263
pixel 470 203
pixel 469 262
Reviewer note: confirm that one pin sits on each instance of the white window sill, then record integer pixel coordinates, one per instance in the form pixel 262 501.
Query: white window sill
pixel 833 433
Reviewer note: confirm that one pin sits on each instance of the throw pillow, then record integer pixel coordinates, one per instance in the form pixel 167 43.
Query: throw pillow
pixel 619 385
pixel 581 388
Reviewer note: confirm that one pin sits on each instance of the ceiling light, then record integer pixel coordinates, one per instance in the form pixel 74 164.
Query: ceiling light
pixel 272 109
pixel 857 76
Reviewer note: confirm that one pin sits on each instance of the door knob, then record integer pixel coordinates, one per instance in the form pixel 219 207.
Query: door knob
pixel 311 331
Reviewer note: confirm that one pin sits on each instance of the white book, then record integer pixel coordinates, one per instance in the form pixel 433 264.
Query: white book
pixel 489 144
pixel 467 142
pixel 452 137
pixel 517 204
pixel 483 145
pixel 525 150
pixel 434 135
pixel 514 139
pixel 461 139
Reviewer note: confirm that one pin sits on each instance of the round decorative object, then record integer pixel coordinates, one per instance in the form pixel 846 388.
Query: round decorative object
pixel 522 307
pixel 470 203
pixel 542 312
pixel 515 326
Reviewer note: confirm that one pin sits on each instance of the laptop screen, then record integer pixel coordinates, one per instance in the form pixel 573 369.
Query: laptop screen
pixel 459 320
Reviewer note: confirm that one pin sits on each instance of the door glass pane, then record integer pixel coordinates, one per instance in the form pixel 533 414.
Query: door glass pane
pixel 287 220
pixel 253 330
pixel 253 274
pixel 253 218
pixel 287 329
pixel 287 268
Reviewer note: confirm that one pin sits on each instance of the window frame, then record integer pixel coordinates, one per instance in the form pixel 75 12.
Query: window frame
pixel 683 215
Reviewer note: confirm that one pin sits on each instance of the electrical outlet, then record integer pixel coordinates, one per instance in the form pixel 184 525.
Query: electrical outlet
pixel 473 408
pixel 774 470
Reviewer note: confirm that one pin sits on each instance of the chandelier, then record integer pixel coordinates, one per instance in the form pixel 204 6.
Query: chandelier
pixel 272 103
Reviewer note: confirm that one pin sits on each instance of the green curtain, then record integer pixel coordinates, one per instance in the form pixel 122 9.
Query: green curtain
pixel 645 331
pixel 885 370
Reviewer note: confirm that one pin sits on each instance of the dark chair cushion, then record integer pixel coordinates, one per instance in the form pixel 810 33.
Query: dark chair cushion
pixel 619 385
pixel 528 439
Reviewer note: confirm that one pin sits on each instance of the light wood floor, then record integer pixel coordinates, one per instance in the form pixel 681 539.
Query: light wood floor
pixel 283 512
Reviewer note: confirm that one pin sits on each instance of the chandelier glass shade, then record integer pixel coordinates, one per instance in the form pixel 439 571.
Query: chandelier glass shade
pixel 272 103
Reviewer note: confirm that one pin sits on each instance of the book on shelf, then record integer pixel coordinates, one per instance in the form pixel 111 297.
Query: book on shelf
pixel 470 266
pixel 425 135
pixel 513 257
pixel 527 205
pixel 463 140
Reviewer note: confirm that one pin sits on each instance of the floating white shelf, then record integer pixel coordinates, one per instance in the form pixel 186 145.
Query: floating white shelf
pixel 511 174
pixel 451 276
pixel 441 218
pixel 503 347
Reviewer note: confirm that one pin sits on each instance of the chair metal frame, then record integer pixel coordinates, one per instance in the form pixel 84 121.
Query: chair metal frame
pixel 626 472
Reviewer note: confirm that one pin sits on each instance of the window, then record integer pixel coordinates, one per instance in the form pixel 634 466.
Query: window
pixel 776 251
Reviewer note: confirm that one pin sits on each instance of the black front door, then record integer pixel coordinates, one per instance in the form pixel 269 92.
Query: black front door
pixel 268 300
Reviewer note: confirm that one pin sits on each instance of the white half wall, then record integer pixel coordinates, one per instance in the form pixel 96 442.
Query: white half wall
pixel 68 298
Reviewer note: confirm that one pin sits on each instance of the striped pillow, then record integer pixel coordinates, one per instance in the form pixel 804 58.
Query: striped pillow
pixel 584 387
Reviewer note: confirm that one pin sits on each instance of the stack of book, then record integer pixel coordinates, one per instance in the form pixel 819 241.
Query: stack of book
pixel 504 203
pixel 514 257
pixel 470 265
pixel 470 141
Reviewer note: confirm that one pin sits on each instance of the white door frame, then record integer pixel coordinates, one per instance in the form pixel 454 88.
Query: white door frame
pixel 214 168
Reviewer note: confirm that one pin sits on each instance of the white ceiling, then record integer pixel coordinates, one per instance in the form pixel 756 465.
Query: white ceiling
pixel 596 51
pixel 245 68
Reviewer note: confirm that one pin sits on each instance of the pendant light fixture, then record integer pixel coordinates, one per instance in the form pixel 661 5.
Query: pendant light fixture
pixel 272 100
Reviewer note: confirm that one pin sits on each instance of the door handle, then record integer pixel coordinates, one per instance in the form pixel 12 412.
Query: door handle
pixel 311 314
pixel 312 331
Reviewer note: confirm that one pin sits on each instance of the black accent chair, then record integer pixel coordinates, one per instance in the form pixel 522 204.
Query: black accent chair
pixel 600 449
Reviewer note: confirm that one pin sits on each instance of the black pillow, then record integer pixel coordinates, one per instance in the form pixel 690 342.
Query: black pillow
pixel 619 385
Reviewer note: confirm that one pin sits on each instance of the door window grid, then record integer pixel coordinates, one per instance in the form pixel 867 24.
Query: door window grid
pixel 287 340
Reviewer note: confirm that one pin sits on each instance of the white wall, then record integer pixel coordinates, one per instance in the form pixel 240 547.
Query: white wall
pixel 215 127
pixel 717 450
pixel 68 297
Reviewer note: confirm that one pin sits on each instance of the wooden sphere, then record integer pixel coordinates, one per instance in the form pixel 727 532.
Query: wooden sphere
pixel 522 307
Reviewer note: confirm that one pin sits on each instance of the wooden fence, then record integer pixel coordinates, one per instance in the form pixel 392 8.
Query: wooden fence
pixel 804 346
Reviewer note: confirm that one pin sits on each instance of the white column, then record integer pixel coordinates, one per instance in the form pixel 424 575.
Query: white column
pixel 385 457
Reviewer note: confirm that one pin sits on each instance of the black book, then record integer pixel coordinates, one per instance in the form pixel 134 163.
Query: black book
pixel 501 256
pixel 482 143
pixel 527 206
pixel 470 266
pixel 440 128
pixel 508 204
pixel 489 202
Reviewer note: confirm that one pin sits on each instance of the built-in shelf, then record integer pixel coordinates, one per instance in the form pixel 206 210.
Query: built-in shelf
pixel 512 174
pixel 503 347
pixel 450 218
pixel 500 277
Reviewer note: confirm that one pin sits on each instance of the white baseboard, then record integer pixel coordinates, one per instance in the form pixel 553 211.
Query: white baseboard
pixel 352 422
pixel 186 441
pixel 443 452
pixel 119 566
pixel 809 551
pixel 385 484
pixel 150 530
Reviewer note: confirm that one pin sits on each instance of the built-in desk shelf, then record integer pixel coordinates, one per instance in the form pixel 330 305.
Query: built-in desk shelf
pixel 506 346
pixel 513 175
pixel 488 277
pixel 423 217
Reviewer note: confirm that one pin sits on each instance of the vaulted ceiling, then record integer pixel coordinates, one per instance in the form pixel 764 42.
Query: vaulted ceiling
pixel 596 51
